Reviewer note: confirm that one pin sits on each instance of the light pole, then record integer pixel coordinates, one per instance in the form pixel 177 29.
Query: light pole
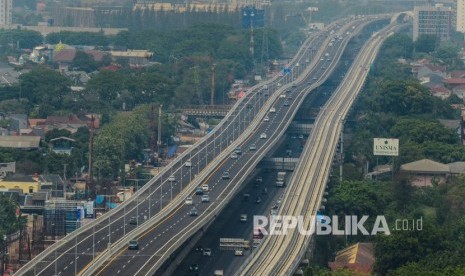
pixel 75 250
pixel 4 254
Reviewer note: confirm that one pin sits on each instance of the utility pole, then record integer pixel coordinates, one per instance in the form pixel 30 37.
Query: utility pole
pixel 159 130
pixel 212 94
pixel 152 133
pixel 90 191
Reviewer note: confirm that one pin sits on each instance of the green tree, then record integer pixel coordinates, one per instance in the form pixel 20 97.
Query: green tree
pixel 426 43
pixel 83 61
pixel 45 87
pixel 9 223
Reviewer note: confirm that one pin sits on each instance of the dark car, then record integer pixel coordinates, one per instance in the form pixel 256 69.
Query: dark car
pixel 199 191
pixel 133 221
pixel 133 245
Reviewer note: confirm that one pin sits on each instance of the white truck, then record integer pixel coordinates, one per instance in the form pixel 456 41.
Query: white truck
pixel 281 179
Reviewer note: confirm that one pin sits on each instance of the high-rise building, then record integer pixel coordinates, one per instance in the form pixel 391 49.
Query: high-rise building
pixel 433 20
pixel 461 16
pixel 5 12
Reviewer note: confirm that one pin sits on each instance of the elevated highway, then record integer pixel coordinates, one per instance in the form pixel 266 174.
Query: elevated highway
pixel 163 223
pixel 170 231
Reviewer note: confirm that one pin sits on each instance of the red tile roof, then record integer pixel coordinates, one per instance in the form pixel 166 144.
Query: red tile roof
pixel 112 67
pixel 454 81
pixel 440 90
pixel 67 55
pixel 457 74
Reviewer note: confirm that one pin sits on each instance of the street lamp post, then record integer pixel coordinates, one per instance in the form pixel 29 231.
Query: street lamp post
pixel 4 254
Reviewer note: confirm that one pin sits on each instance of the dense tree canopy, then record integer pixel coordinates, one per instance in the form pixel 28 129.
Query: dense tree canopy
pixel 9 223
pixel 23 38
pixel 78 38
pixel 46 88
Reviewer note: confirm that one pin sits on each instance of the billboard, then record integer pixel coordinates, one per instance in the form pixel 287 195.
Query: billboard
pixel 89 209
pixel 386 146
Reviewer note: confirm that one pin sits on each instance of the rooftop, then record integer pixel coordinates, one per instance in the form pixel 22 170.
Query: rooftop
pixel 19 142
pixel 425 166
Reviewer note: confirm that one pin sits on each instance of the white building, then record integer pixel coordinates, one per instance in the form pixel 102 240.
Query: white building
pixel 461 16
pixel 433 20
pixel 5 12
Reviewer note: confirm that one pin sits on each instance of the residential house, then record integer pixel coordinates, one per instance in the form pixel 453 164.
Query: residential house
pixel 20 142
pixel 457 167
pixel 65 57
pixel 26 183
pixel 457 74
pixel 452 83
pixel 440 92
pixel 52 183
pixel 18 122
pixel 424 172
pixel 7 168
pixel 429 69
pixel 459 90
pixel 62 145
pixel 358 258
pixel 71 123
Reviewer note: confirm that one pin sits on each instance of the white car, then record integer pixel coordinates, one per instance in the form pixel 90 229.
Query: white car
pixel 233 155
pixel 279 84
pixel 189 200
pixel 205 187
pixel 266 119
pixel 188 163
pixel 272 110
pixel 282 96
pixel 205 198
pixel 172 178
pixel 263 136
pixel 239 252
